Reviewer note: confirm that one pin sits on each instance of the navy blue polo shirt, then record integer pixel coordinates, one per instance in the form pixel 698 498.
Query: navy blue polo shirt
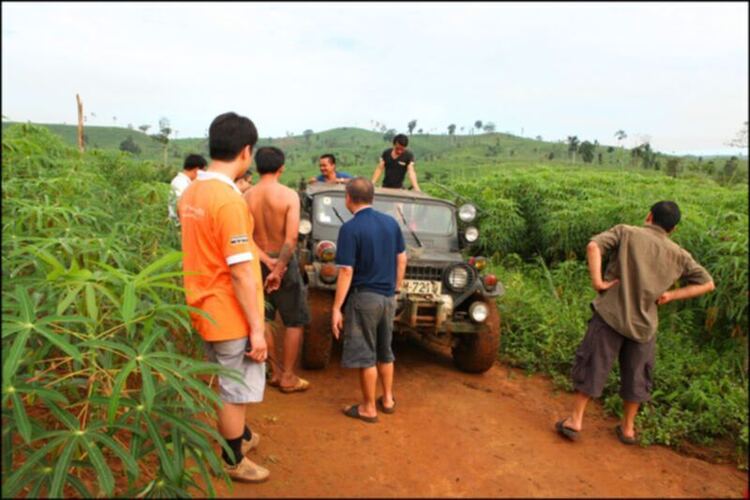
pixel 369 242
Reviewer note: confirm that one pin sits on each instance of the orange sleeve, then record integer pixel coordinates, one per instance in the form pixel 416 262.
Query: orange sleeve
pixel 233 232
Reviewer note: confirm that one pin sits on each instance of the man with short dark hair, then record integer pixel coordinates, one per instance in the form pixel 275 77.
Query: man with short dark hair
pixel 182 180
pixel 328 172
pixel 276 211
pixel 222 279
pixel 643 266
pixel 245 182
pixel 397 162
pixel 371 257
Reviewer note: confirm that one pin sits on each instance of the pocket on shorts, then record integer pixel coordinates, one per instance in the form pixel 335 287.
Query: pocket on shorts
pixel 367 302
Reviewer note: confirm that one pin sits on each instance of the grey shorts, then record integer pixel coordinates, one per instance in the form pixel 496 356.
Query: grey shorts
pixel 231 354
pixel 290 299
pixel 368 330
pixel 596 356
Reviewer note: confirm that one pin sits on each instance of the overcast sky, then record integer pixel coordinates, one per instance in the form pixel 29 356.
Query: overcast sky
pixel 674 73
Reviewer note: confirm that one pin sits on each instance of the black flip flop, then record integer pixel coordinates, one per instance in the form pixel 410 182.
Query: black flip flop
pixel 384 408
pixel 566 432
pixel 623 438
pixel 353 412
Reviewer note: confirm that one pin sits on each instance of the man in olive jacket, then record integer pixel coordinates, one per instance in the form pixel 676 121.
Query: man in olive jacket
pixel 644 265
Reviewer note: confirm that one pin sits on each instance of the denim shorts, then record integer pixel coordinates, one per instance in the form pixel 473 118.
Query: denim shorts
pixel 368 329
pixel 231 354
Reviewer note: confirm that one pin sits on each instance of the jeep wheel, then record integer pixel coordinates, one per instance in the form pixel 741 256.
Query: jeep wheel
pixel 477 353
pixel 318 338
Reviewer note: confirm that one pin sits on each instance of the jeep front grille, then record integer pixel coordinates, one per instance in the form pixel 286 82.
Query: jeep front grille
pixel 424 273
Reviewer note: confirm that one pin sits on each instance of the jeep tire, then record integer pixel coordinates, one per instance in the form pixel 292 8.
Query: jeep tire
pixel 476 353
pixel 318 338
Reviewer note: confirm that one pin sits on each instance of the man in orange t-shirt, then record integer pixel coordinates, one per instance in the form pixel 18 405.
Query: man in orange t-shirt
pixel 222 279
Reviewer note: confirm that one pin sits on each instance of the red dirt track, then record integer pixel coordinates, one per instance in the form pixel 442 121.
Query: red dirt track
pixel 458 435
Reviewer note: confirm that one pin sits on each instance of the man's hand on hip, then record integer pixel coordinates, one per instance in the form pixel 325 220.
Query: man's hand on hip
pixel 602 285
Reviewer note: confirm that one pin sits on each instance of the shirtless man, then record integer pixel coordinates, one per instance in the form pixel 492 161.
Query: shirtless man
pixel 275 209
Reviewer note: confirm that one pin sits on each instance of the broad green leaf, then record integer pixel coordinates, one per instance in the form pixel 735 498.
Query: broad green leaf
pixel 147 381
pixel 60 472
pixel 164 261
pixel 207 480
pixel 103 472
pixel 128 302
pixel 60 342
pixel 13 484
pixel 72 294
pixel 118 450
pixel 161 449
pixel 117 389
pixel 49 259
pixel 109 345
pixel 91 305
pixel 22 419
pixel 10 364
pixel 28 314
pixel 64 417
pixel 79 486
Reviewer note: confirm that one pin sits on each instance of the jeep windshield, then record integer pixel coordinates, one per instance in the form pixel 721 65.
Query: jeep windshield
pixel 422 217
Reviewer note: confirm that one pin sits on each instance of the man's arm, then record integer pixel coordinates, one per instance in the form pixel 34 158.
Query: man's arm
pixel 594 258
pixel 343 283
pixel 686 292
pixel 312 180
pixel 244 285
pixel 291 225
pixel 413 176
pixel 378 171
pixel 400 269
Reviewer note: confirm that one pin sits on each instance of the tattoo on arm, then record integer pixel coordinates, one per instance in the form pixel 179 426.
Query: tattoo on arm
pixel 285 255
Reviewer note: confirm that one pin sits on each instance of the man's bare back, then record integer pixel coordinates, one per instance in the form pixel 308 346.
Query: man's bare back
pixel 273 207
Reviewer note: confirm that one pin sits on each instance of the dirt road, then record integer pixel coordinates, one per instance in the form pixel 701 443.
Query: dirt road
pixel 458 435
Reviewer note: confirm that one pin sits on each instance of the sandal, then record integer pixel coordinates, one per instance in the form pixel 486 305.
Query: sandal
pixel 386 409
pixel 566 432
pixel 623 438
pixel 353 412
pixel 301 386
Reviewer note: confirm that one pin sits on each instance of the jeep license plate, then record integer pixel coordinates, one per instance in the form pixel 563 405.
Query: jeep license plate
pixel 422 287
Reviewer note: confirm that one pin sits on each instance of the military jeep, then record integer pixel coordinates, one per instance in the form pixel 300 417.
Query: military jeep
pixel 445 298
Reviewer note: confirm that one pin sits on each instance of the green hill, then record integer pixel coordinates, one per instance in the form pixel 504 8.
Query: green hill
pixel 438 155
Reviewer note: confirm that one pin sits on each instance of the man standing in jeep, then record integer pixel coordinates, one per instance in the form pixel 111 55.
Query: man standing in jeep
pixel 397 162
pixel 275 209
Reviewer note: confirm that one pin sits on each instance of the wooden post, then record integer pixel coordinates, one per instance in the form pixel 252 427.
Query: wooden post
pixel 80 123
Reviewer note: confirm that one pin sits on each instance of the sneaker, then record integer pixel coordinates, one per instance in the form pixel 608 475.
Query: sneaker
pixel 249 445
pixel 247 471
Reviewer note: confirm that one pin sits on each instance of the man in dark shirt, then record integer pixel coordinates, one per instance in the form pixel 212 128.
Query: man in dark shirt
pixel 643 266
pixel 371 256
pixel 397 162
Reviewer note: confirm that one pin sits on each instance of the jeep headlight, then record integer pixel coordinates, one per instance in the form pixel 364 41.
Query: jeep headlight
pixel 305 227
pixel 471 234
pixel 459 277
pixel 479 311
pixel 467 212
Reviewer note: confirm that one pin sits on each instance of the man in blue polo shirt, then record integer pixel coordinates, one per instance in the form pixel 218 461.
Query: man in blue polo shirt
pixel 371 256
pixel 328 172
